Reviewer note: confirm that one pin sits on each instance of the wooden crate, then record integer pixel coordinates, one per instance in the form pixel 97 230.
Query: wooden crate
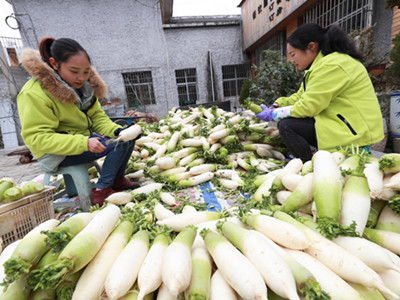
pixel 19 217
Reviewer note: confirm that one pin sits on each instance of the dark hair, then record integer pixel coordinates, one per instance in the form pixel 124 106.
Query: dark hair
pixel 61 49
pixel 330 39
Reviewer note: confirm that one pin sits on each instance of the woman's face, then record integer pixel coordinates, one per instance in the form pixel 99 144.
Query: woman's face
pixel 75 71
pixel 302 59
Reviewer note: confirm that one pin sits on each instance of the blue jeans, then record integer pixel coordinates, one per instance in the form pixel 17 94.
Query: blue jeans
pixel 117 157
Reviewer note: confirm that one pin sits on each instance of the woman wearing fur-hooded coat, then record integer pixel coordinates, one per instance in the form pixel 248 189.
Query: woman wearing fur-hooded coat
pixel 60 111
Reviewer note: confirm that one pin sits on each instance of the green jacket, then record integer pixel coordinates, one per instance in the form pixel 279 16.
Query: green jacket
pixel 51 119
pixel 338 93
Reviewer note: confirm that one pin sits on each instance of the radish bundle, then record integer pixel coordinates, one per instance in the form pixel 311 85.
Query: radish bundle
pixel 79 251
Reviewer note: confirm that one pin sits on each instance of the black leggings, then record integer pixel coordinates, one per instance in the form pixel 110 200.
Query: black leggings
pixel 298 135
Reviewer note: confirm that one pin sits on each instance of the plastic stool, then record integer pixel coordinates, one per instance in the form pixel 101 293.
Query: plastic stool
pixel 76 179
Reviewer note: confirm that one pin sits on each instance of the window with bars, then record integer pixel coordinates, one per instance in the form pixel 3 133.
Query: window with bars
pixel 232 79
pixel 186 82
pixel 139 88
pixel 349 14
pixel 275 43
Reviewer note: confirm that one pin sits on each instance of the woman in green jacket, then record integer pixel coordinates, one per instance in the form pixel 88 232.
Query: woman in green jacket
pixel 336 104
pixel 60 112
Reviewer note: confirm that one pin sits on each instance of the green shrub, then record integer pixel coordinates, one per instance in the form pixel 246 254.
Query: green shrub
pixel 393 71
pixel 275 77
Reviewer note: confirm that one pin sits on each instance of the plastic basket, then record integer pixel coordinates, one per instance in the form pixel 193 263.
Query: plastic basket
pixel 19 217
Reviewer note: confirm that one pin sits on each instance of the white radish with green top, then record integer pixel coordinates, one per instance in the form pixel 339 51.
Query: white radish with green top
pixel 166 162
pixel 272 267
pixel 177 263
pixel 120 198
pixel 200 282
pixel 197 170
pixel 167 198
pixel 130 133
pixel 235 268
pixel 173 141
pixel 339 260
pixel 391 278
pixel 125 269
pixel 220 289
pixel 149 277
pixel 147 189
pixel 327 188
pixel 291 181
pixel 306 283
pixel 90 285
pixel 80 250
pixel 280 232
pixel 330 282
pixel 356 203
pixel 388 220
pixel 374 177
pixel 302 194
pixel 387 239
pixel 28 251
pixel 180 221
pixel 373 255
pixel 161 212
pixel 196 180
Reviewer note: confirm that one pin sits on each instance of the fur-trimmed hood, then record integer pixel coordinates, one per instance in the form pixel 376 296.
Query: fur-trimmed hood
pixel 36 67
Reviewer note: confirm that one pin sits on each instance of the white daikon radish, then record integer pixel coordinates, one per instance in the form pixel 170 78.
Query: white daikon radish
pixel 168 199
pixel 370 253
pixel 91 283
pixel 220 289
pixel 130 133
pixel 291 181
pixel 330 282
pixel 149 277
pixel 248 283
pixel 120 198
pixel 280 232
pixel 177 263
pixel 269 263
pixel 125 268
pixel 374 177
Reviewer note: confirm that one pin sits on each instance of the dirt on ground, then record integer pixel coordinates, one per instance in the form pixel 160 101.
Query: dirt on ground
pixel 11 167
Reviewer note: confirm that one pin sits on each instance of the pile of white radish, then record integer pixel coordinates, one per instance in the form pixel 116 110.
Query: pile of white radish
pixel 190 146
pixel 259 251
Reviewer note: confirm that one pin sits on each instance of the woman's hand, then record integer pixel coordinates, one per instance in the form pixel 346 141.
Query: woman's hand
pixel 95 146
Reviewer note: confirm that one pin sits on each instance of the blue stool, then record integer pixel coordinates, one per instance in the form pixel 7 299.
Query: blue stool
pixel 76 179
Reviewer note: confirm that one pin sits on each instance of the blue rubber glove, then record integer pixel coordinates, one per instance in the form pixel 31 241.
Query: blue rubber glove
pixel 266 114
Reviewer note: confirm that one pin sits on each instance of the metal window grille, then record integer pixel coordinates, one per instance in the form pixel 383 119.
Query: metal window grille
pixel 139 88
pixel 186 82
pixel 276 43
pixel 349 14
pixel 232 79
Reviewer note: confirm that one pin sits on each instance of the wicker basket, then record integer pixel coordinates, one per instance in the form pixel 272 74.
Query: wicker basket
pixel 19 217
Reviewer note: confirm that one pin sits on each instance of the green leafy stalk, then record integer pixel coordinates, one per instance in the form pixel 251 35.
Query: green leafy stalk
pixel 394 203
pixel 331 228
pixel 312 291
pixel 67 287
pixel 57 240
pixel 50 276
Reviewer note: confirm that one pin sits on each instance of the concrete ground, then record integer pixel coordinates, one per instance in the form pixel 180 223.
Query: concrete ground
pixel 11 167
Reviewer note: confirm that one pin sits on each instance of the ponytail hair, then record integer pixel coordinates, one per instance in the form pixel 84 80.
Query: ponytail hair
pixel 61 49
pixel 330 39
